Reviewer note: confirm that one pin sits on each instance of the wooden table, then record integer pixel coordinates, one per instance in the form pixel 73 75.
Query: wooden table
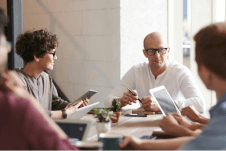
pixel 136 126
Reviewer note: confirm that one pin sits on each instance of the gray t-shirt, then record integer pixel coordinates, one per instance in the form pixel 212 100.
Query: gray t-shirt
pixel 43 89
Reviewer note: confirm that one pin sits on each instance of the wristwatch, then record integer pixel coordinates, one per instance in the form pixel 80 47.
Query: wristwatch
pixel 64 112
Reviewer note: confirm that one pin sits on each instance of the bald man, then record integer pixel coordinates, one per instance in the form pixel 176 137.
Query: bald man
pixel 142 77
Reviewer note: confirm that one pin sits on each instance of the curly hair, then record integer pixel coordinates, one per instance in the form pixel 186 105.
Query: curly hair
pixel 36 43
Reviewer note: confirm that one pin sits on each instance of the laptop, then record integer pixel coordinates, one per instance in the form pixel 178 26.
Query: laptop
pixel 80 112
pixel 76 130
pixel 164 100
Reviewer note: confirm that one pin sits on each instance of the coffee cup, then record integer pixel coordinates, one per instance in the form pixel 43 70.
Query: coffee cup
pixel 110 141
pixel 89 145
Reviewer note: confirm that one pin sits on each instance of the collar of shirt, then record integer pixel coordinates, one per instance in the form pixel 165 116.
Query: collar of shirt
pixel 29 75
pixel 21 70
pixel 219 108
pixel 161 75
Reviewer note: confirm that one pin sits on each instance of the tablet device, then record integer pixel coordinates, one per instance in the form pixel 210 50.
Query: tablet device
pixel 80 112
pixel 164 100
pixel 76 130
pixel 87 95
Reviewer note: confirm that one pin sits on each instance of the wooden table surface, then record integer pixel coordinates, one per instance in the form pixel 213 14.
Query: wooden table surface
pixel 136 126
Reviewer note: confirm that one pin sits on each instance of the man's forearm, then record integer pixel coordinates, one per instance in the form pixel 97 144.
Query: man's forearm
pixel 203 120
pixel 196 126
pixel 182 131
pixel 162 144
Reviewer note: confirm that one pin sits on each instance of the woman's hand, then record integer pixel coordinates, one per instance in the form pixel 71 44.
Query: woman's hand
pixel 85 102
pixel 71 110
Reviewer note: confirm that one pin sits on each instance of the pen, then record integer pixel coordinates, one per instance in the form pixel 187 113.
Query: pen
pixel 134 95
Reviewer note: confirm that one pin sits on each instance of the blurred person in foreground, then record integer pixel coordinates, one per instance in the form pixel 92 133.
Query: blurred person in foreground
pixel 24 124
pixel 38 50
pixel 210 54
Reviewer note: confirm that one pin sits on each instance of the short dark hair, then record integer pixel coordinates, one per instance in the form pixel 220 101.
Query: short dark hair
pixel 35 43
pixel 3 20
pixel 210 49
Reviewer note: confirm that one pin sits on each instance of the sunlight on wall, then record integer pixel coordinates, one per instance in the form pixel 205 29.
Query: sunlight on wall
pixel 137 19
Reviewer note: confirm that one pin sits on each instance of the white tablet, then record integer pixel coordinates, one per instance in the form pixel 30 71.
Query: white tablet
pixel 80 112
pixel 75 129
pixel 164 100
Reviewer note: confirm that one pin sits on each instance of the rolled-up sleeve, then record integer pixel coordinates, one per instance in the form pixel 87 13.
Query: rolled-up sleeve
pixel 57 102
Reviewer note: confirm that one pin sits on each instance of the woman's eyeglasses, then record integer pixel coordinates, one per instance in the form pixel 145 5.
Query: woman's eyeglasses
pixel 53 53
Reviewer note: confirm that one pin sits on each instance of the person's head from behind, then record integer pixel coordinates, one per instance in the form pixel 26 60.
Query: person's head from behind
pixel 156 50
pixel 38 47
pixel 210 54
pixel 5 46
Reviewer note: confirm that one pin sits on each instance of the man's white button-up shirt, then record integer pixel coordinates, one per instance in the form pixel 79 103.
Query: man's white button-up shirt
pixel 177 79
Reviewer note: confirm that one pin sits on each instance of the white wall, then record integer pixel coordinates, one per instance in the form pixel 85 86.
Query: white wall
pixel 201 15
pixel 139 18
pixel 89 35
pixel 99 39
pixel 175 30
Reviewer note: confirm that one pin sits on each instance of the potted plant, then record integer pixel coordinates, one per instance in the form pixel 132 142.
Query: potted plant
pixel 104 120
pixel 116 108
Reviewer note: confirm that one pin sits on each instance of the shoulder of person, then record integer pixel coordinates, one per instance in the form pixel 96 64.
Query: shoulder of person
pixel 140 66
pixel 19 72
pixel 45 74
pixel 176 66
pixel 46 77
pixel 10 100
pixel 223 105
pixel 21 75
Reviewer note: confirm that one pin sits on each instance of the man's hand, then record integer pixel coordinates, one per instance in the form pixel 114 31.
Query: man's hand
pixel 128 98
pixel 191 113
pixel 171 126
pixel 130 143
pixel 149 104
pixel 168 123
pixel 182 120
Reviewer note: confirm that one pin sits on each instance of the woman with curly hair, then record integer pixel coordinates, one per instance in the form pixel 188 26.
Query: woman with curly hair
pixel 38 50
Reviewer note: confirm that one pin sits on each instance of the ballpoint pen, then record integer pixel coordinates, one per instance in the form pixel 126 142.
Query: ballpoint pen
pixel 134 95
